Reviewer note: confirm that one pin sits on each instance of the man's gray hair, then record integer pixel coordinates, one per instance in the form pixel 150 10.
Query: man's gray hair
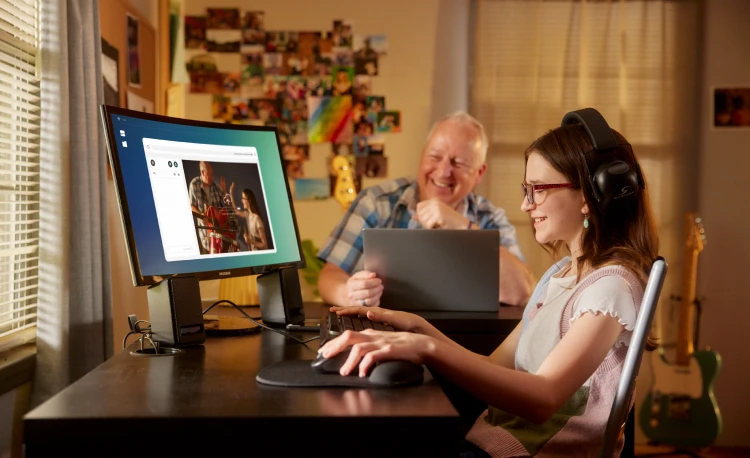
pixel 465 118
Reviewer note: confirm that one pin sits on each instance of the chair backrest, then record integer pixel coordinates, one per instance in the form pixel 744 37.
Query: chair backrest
pixel 621 403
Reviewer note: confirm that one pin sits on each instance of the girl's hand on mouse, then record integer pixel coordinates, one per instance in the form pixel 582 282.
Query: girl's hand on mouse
pixel 401 321
pixel 370 346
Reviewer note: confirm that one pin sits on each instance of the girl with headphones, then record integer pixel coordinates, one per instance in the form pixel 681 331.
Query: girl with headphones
pixel 549 386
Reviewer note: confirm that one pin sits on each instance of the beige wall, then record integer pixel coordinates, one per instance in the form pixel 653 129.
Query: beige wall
pixel 725 207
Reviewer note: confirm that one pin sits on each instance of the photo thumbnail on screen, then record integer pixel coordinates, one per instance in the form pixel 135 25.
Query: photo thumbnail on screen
pixel 209 199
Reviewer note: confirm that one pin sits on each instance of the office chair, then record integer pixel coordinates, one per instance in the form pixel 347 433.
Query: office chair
pixel 626 387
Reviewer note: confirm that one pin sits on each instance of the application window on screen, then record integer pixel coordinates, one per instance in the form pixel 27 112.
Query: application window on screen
pixel 203 222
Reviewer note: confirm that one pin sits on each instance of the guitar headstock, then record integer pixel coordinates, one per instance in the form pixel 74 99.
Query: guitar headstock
pixel 695 234
pixel 344 191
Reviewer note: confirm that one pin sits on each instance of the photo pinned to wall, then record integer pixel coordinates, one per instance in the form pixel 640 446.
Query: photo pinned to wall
pixel 296 152
pixel 368 145
pixel 366 66
pixel 375 104
pixel 294 169
pixel 329 119
pixel 240 110
pixel 311 189
pixel 364 128
pixel 223 40
pixel 369 46
pixel 310 44
pixel 388 122
pixel 297 65
pixel 195 32
pixel 372 166
pixel 343 33
pixel 343 80
pixel 223 18
pixel 134 56
pixel 110 74
pixel 342 57
pixel 272 62
pixel 281 41
pixel 253 29
pixel 362 85
pixel 732 107
pixel 323 64
pixel 252 62
pixel 221 108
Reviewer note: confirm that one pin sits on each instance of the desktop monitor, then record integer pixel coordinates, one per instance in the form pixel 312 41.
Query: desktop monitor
pixel 200 199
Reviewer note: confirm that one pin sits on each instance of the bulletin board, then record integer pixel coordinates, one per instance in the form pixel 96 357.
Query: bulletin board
pixel 113 22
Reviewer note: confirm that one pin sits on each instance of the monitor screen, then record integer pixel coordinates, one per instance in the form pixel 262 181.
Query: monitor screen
pixel 199 198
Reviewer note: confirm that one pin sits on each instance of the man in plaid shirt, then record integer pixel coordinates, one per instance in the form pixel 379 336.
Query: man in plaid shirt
pixel 204 193
pixel 452 164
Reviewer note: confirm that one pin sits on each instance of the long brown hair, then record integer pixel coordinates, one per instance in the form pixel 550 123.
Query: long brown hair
pixel 626 235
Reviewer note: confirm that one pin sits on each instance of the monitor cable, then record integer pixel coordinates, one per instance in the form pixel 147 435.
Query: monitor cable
pixel 259 324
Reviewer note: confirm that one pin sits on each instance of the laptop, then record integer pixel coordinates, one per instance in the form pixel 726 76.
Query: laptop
pixel 440 270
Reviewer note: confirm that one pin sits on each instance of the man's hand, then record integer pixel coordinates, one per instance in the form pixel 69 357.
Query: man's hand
pixel 223 184
pixel 364 288
pixel 231 187
pixel 436 214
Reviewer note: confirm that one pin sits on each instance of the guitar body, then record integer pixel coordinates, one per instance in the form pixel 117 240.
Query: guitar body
pixel 680 409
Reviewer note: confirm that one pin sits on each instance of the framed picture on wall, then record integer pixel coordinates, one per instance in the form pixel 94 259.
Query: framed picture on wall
pixel 731 107
pixel 134 57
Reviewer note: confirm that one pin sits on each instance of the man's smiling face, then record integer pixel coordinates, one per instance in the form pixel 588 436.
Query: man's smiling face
pixel 451 164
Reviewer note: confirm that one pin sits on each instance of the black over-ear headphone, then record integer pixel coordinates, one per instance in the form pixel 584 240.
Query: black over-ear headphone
pixel 614 182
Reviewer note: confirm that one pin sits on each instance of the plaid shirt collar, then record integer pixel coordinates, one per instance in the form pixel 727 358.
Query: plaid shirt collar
pixel 409 198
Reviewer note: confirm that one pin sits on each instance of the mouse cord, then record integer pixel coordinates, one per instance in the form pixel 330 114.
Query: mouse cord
pixel 254 320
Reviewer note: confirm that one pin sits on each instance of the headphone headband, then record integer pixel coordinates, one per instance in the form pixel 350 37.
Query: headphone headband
pixel 596 126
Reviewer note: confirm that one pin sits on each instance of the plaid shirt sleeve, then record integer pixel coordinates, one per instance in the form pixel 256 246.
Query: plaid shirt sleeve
pixel 492 217
pixel 344 246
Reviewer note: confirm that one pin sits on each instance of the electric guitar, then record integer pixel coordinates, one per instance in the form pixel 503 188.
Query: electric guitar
pixel 344 191
pixel 681 409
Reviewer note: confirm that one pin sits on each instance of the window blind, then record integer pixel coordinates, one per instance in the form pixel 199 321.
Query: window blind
pixel 19 164
pixel 635 61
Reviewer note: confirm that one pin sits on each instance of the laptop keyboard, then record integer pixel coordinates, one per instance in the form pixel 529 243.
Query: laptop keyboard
pixel 335 325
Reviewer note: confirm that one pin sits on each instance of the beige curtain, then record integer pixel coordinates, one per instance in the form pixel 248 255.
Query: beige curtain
pixel 635 61
pixel 74 323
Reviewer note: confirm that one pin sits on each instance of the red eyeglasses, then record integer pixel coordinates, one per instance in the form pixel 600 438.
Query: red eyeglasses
pixel 529 189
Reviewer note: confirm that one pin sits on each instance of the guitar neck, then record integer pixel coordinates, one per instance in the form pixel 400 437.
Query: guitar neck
pixel 687 310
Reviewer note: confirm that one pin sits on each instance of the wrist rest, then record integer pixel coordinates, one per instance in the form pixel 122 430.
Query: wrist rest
pixel 298 373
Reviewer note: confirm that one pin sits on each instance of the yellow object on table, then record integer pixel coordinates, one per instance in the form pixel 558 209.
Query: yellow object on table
pixel 240 290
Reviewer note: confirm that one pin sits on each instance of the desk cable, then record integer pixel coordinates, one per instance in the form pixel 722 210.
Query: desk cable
pixel 135 328
pixel 257 323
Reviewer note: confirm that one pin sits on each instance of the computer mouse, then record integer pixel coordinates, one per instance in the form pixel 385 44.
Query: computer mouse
pixel 396 373
pixel 330 365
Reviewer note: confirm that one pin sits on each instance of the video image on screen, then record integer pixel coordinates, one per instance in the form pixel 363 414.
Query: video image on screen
pixel 209 199
pixel 228 205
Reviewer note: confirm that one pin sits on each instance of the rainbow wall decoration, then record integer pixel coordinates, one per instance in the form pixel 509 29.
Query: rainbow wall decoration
pixel 329 119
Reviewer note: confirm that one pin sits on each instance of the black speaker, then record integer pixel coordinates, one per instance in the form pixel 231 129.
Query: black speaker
pixel 280 297
pixel 174 307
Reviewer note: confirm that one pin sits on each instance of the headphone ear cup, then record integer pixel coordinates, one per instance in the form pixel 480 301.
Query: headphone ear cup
pixel 616 182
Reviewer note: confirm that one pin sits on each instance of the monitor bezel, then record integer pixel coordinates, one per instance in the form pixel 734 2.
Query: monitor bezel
pixel 106 112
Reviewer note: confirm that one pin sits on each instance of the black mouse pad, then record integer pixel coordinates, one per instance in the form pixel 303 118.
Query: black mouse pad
pixel 298 373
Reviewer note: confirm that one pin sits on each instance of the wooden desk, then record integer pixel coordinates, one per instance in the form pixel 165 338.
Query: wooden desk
pixel 206 400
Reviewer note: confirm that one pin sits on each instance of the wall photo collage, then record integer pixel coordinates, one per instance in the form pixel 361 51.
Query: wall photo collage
pixel 313 86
